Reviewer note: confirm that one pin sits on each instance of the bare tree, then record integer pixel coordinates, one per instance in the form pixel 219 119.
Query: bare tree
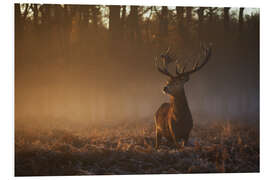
pixel 94 15
pixel 241 21
pixel 34 8
pixel 180 17
pixel 164 22
pixel 123 21
pixel 200 12
pixel 189 14
pixel 84 15
pixel 133 24
pixel 45 10
pixel 18 20
pixel 114 22
pixel 226 17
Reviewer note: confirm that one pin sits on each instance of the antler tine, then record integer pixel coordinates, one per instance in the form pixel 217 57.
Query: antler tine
pixel 180 69
pixel 156 61
pixel 162 69
pixel 165 53
pixel 206 50
pixel 195 65
pixel 206 53
pixel 184 67
pixel 191 59
pixel 168 57
pixel 196 62
pixel 168 50
pixel 174 56
pixel 176 68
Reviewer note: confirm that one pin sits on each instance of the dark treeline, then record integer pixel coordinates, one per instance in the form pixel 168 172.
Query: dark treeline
pixel 94 63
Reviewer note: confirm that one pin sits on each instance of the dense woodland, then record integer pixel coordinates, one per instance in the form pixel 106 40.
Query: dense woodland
pixel 86 89
pixel 91 60
pixel 92 26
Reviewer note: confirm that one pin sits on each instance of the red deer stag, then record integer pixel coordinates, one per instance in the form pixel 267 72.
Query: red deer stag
pixel 173 120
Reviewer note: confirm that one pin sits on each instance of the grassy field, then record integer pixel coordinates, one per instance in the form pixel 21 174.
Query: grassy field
pixel 129 149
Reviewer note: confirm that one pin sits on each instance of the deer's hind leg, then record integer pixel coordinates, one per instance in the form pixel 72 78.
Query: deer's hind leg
pixel 185 139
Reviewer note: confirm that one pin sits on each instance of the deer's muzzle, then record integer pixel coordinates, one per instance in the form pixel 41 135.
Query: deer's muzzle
pixel 165 90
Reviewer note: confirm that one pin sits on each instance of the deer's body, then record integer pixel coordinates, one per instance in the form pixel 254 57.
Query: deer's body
pixel 173 120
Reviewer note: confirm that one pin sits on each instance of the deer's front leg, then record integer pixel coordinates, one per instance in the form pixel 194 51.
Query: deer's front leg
pixel 158 138
pixel 172 132
pixel 185 140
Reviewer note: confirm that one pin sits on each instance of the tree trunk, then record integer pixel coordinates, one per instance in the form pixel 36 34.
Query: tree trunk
pixel 123 17
pixel 180 17
pixel 123 21
pixel 211 35
pixel 241 12
pixel 25 13
pixel 200 12
pixel 189 14
pixel 211 12
pixel 134 24
pixel 45 10
pixel 67 24
pixel 45 14
pixel 226 18
pixel 163 24
pixel 35 15
pixel 188 21
pixel 114 22
pixel 94 16
pixel 84 9
pixel 18 21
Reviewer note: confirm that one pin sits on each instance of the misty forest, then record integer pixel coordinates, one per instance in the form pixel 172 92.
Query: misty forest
pixel 87 89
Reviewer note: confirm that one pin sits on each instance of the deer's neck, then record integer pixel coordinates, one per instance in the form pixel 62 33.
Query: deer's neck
pixel 179 104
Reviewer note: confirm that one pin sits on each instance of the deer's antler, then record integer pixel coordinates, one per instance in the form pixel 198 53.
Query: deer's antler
pixel 205 55
pixel 167 58
pixel 162 66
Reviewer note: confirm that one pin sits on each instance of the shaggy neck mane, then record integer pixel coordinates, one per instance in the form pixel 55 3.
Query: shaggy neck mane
pixel 179 103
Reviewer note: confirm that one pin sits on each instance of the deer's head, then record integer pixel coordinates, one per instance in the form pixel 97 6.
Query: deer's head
pixel 175 83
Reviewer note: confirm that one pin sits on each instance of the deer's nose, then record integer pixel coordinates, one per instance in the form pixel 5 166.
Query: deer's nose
pixel 165 89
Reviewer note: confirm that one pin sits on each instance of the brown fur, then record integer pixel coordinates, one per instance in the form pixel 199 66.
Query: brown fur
pixel 173 120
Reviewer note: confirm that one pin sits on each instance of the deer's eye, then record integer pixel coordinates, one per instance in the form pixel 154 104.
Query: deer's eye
pixel 183 78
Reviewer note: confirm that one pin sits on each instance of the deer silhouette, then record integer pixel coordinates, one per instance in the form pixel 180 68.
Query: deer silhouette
pixel 174 120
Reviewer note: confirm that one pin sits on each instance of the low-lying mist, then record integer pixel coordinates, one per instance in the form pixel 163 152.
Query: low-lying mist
pixel 107 91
